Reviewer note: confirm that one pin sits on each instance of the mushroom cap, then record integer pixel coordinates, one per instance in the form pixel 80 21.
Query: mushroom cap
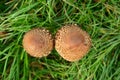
pixel 38 42
pixel 72 43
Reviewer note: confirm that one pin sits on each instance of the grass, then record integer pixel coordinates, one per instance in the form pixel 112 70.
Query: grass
pixel 100 18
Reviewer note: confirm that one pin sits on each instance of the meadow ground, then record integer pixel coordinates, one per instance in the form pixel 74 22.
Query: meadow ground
pixel 100 18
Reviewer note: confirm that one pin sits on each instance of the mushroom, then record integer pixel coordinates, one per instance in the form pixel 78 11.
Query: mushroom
pixel 3 34
pixel 72 43
pixel 38 42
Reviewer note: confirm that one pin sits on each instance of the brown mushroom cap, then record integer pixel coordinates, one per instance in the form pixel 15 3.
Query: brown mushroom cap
pixel 38 42
pixel 72 43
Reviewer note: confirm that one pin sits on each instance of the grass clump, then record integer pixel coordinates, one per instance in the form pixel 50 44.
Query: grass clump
pixel 100 18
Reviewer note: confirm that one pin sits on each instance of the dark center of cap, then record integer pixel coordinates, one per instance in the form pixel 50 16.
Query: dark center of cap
pixel 36 43
pixel 74 40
